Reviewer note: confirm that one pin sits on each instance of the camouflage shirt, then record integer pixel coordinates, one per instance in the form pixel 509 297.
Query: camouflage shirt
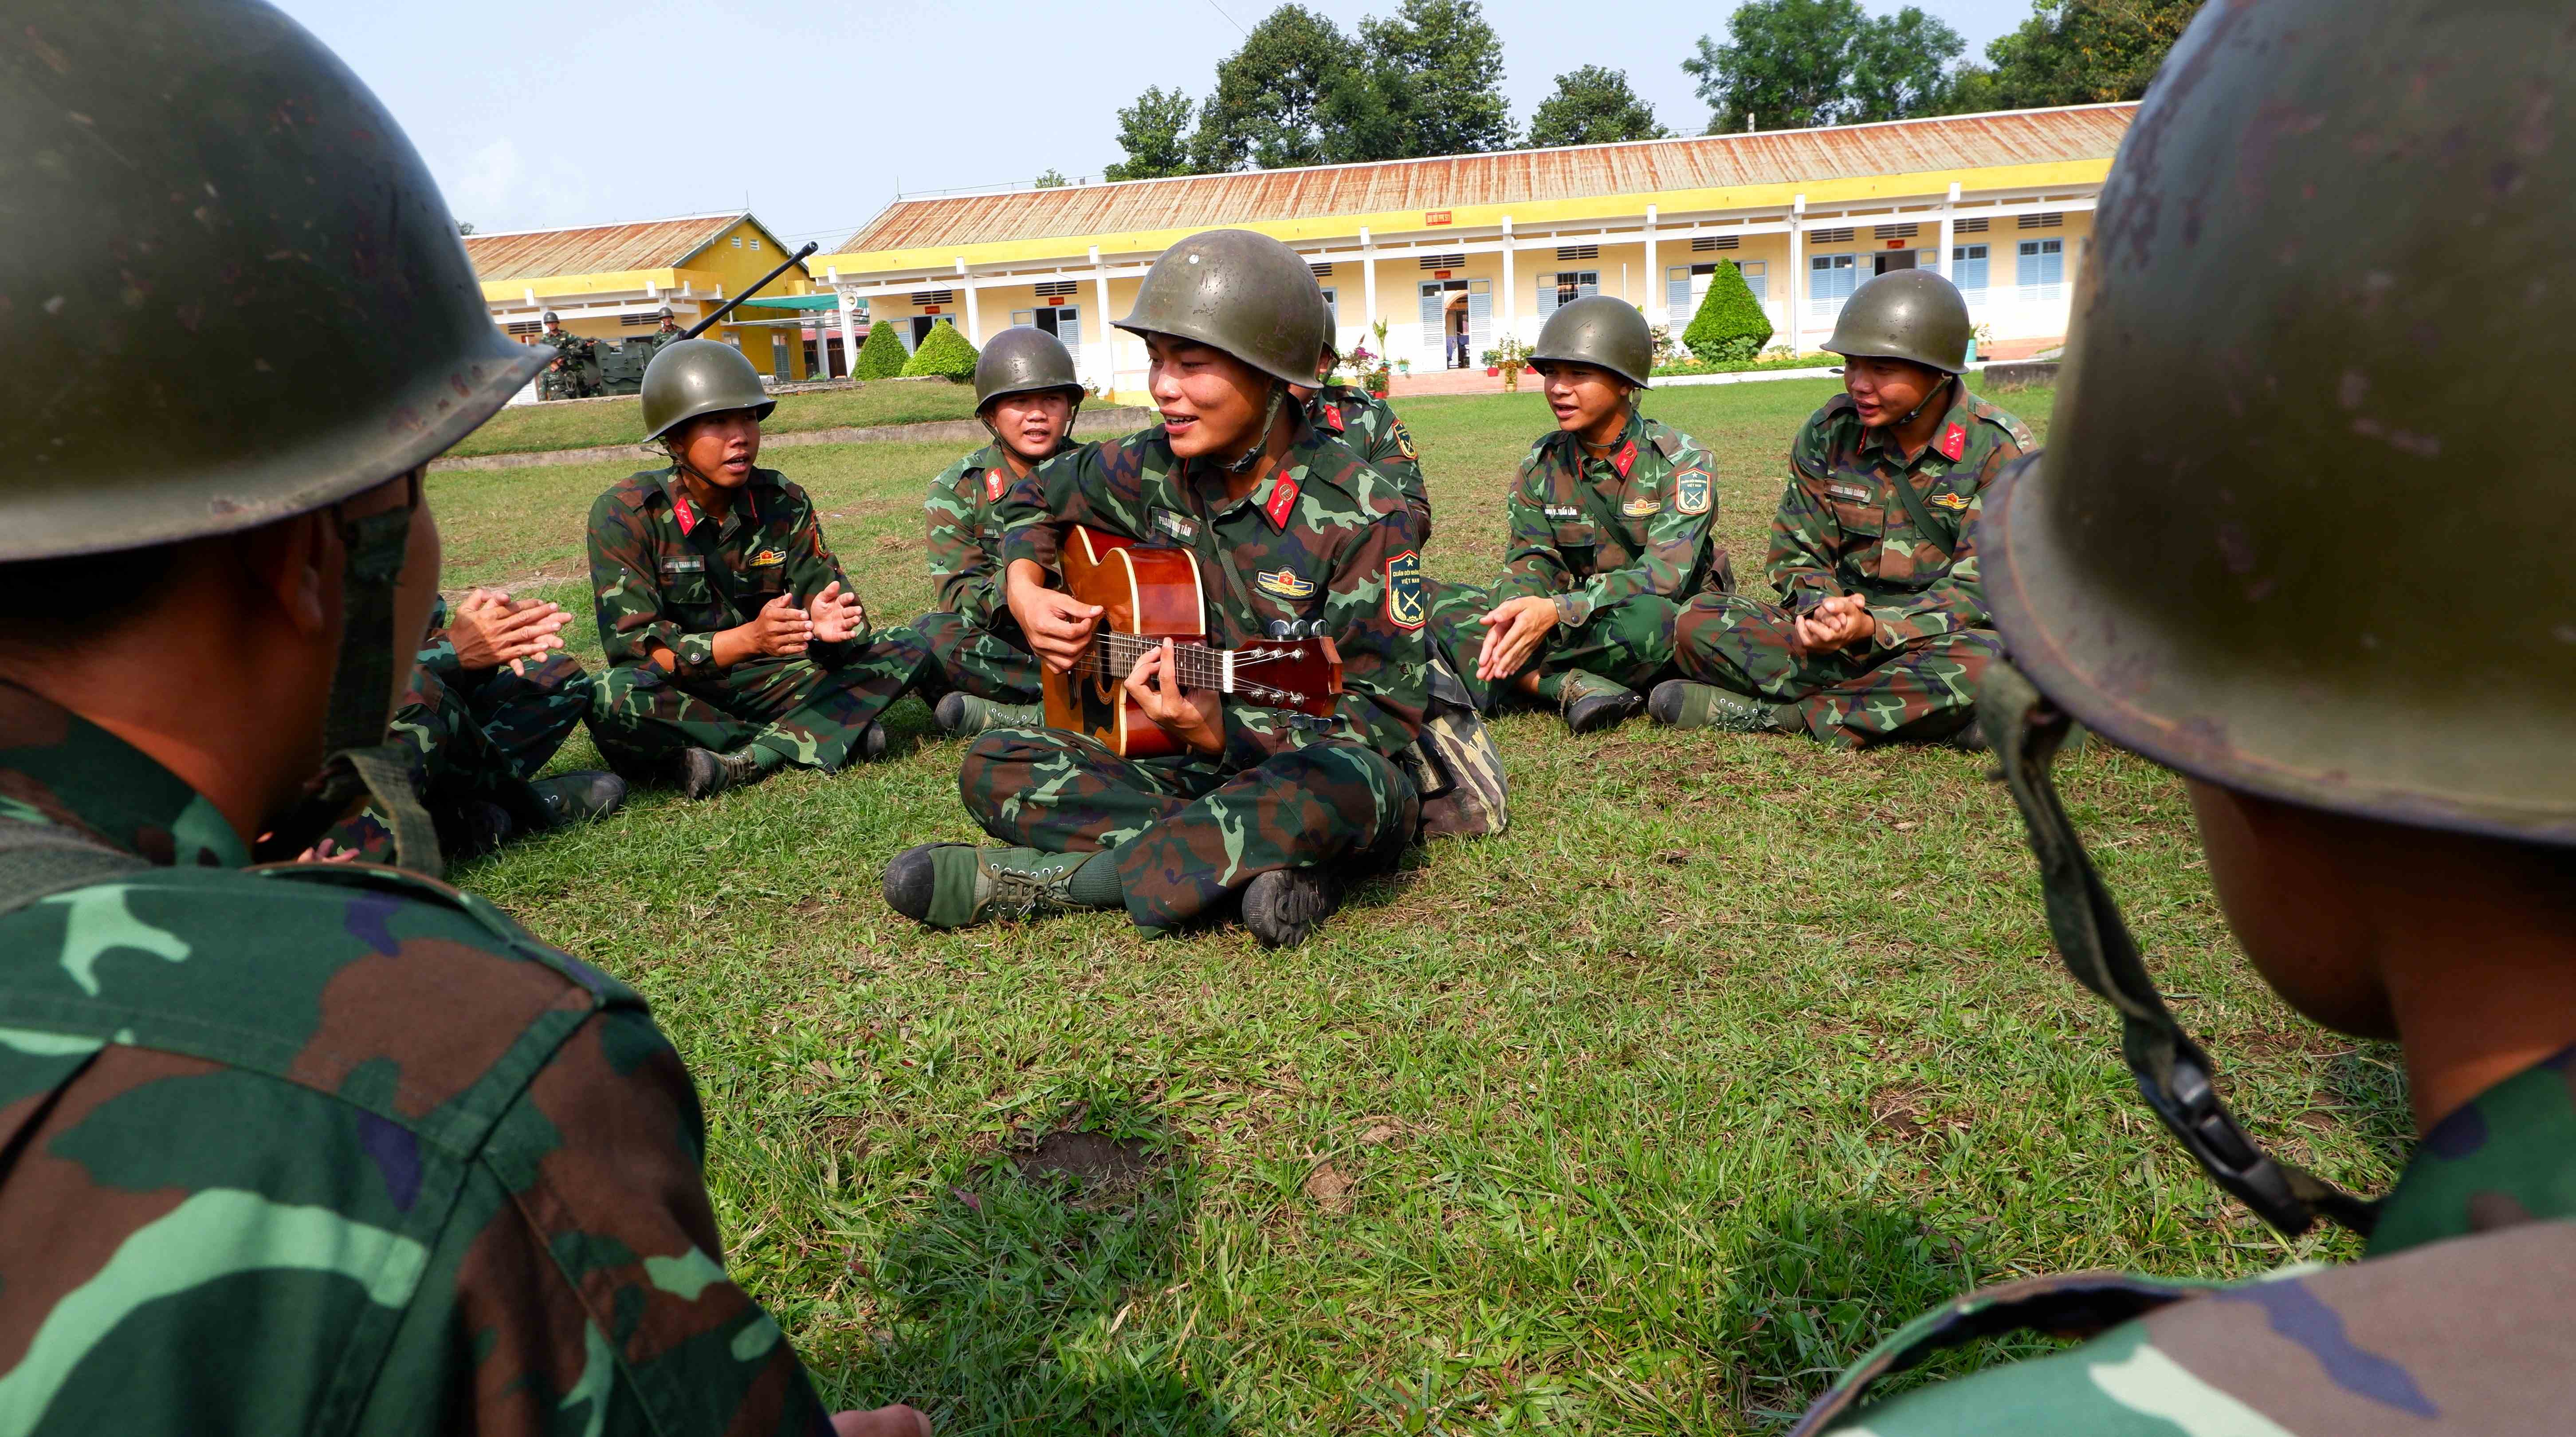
pixel 1597 531
pixel 663 573
pixel 438 651
pixel 2459 1321
pixel 1368 424
pixel 965 540
pixel 1326 536
pixel 335 1150
pixel 1843 528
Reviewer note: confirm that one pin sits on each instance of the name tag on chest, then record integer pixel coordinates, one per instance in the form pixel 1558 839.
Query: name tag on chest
pixel 1850 493
pixel 684 566
pixel 1172 524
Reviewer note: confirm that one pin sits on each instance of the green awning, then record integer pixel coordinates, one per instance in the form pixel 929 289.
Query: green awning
pixel 793 301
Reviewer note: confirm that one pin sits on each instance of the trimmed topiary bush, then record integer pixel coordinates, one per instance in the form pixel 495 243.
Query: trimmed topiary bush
pixel 1730 325
pixel 943 352
pixel 881 354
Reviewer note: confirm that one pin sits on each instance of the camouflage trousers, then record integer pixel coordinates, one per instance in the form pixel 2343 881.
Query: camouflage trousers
pixel 990 663
pixel 478 740
pixel 1189 833
pixel 805 713
pixel 1629 642
pixel 1923 691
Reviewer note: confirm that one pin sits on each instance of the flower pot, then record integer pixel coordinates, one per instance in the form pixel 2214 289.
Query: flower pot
pixel 1493 371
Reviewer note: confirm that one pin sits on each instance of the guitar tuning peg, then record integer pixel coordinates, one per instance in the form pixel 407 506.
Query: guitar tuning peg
pixel 1283 628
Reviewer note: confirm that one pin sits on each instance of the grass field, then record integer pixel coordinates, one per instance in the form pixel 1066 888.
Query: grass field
pixel 1643 1118
pixel 535 428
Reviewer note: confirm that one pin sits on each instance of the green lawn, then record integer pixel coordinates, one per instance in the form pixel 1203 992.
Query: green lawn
pixel 536 428
pixel 1644 1117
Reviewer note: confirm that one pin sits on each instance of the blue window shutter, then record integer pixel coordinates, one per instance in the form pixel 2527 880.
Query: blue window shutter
pixel 1546 295
pixel 1677 303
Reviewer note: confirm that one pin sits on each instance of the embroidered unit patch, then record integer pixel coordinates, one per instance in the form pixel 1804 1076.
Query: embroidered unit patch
pixel 1404 606
pixel 1284 583
pixel 769 558
pixel 1641 506
pixel 1691 491
pixel 1952 502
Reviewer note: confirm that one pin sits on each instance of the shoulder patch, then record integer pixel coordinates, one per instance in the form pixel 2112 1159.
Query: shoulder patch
pixel 1404 441
pixel 1692 490
pixel 1404 606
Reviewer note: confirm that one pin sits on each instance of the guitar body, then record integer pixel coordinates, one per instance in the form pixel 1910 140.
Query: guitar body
pixel 1150 594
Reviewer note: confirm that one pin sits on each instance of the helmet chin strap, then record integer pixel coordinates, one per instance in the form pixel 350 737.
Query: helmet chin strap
pixel 1937 391
pixel 2173 1073
pixel 1242 463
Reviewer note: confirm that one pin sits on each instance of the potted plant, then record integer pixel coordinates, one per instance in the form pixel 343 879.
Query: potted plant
pixel 1509 357
pixel 1404 366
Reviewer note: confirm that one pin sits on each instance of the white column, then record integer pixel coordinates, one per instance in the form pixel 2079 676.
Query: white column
pixel 850 333
pixel 1948 232
pixel 974 314
pixel 1511 290
pixel 1105 369
pixel 1368 284
pixel 1798 275
pixel 1655 288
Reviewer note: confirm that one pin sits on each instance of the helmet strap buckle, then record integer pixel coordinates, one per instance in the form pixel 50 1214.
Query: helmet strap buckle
pixel 2173 1073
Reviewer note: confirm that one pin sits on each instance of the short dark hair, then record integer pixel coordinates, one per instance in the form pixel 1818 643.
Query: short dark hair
pixel 48 592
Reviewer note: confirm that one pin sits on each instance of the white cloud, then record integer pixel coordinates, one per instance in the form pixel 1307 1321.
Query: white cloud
pixel 486 192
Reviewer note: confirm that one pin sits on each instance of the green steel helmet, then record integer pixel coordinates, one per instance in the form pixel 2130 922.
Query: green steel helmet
pixel 690 377
pixel 550 317
pixel 1600 331
pixel 665 312
pixel 234 293
pixel 1021 359
pixel 1911 314
pixel 1238 291
pixel 2291 534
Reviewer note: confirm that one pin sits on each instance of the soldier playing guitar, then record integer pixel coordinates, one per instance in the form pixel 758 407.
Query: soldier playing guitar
pixel 1294 536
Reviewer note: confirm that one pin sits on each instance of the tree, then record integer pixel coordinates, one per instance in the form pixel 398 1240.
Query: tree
pixel 1155 134
pixel 2077 52
pixel 1592 106
pixel 881 354
pixel 1729 324
pixel 1790 64
pixel 943 352
pixel 1437 73
pixel 1051 180
pixel 1275 95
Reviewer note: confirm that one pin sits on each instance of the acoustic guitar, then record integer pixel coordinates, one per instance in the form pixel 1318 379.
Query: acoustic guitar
pixel 1148 595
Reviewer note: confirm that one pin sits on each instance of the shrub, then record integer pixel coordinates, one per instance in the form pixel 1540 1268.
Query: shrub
pixel 945 353
pixel 881 354
pixel 1730 325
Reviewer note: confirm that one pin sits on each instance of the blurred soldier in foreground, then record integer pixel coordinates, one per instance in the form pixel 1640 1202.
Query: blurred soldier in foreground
pixel 737 644
pixel 1610 530
pixel 321 1149
pixel 1882 631
pixel 1027 395
pixel 2382 784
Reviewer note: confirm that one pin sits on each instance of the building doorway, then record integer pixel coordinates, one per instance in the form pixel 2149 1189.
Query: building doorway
pixel 1457 321
pixel 1064 321
pixel 1894 260
pixel 922 325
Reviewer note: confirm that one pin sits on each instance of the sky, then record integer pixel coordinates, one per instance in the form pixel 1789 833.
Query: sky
pixel 568 112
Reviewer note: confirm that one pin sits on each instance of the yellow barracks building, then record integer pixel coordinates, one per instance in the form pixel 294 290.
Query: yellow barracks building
pixel 610 282
pixel 1454 253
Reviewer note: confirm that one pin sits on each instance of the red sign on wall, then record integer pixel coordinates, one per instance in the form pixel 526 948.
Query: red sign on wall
pixel 1435 217
pixel 1440 274
pixel 1055 299
pixel 1896 244
pixel 930 309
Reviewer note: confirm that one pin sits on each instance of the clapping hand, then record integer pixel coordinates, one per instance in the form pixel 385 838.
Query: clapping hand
pixel 489 628
pixel 837 615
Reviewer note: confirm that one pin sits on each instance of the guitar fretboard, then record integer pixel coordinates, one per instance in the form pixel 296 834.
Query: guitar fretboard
pixel 1228 671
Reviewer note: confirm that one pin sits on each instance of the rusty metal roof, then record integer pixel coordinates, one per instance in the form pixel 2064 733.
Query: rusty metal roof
pixel 2020 137
pixel 596 249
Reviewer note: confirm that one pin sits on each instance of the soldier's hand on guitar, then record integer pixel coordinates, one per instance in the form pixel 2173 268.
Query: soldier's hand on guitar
pixel 837 614
pixel 1058 626
pixel 780 630
pixel 1190 715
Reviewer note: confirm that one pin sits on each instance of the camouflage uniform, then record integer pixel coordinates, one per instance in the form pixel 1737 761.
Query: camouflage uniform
pixel 1368 424
pixel 337 1150
pixel 2469 1250
pixel 569 376
pixel 1620 542
pixel 972 636
pixel 666 575
pixel 1325 536
pixel 1843 529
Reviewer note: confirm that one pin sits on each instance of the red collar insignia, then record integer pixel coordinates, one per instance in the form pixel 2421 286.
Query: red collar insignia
pixel 1332 416
pixel 1625 458
pixel 1954 442
pixel 993 486
pixel 1283 500
pixel 682 510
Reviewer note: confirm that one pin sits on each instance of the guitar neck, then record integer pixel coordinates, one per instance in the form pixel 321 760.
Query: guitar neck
pixel 1245 673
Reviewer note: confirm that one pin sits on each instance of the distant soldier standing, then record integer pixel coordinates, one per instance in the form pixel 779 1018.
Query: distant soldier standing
pixel 1882 633
pixel 568 375
pixel 737 643
pixel 1027 396
pixel 1287 526
pixel 1611 530
pixel 670 329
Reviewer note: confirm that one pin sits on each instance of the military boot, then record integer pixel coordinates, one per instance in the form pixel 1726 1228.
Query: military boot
pixel 966 715
pixel 704 773
pixel 1285 906
pixel 956 885
pixel 1592 703
pixel 580 795
pixel 1679 703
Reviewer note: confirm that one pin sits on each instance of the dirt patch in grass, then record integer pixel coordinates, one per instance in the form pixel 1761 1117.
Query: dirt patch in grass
pixel 1095 1164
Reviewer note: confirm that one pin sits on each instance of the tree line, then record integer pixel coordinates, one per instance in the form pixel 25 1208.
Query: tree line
pixel 1428 81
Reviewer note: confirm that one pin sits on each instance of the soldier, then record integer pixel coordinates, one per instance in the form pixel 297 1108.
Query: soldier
pixel 1366 423
pixel 1288 527
pixel 737 645
pixel 2381 783
pixel 321 1149
pixel 1027 395
pixel 1611 531
pixel 492 696
pixel 1882 631
pixel 670 329
pixel 567 376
